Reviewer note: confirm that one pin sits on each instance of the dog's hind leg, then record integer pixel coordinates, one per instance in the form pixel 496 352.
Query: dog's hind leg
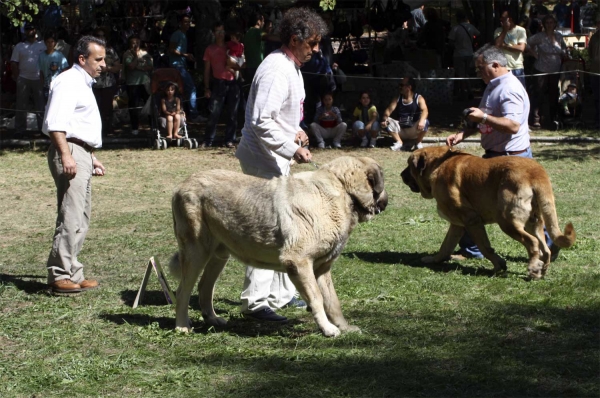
pixel 531 243
pixel 206 287
pixel 302 276
pixel 193 258
pixel 480 237
pixel 331 303
pixel 535 227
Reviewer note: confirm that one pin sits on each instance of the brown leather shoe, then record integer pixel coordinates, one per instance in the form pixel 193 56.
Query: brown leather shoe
pixel 65 286
pixel 88 284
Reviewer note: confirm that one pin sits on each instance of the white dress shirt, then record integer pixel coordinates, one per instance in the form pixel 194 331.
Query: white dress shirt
pixel 72 107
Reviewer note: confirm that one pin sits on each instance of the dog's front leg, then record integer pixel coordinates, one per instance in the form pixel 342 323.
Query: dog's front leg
pixel 452 238
pixel 331 303
pixel 302 276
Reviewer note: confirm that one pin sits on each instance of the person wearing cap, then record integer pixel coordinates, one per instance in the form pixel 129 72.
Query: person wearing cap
pixel 26 72
pixel 74 126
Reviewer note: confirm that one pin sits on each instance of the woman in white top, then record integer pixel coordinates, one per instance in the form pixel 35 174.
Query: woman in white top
pixel 549 49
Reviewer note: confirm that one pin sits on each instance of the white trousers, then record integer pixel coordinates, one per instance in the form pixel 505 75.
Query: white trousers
pixel 323 133
pixel 263 287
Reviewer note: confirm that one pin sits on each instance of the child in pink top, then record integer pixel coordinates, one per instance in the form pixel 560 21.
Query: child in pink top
pixel 235 54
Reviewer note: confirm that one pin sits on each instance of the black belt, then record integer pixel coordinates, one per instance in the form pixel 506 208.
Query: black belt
pixel 506 152
pixel 81 143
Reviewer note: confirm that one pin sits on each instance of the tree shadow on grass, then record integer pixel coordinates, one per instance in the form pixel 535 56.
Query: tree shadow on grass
pixel 157 298
pixel 580 152
pixel 25 283
pixel 505 350
pixel 236 324
pixel 485 268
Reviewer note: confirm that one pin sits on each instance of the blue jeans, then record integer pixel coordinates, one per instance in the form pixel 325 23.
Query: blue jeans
pixel 189 88
pixel 467 246
pixel 358 125
pixel 520 74
pixel 228 93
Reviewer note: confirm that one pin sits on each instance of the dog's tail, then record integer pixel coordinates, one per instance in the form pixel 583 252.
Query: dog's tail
pixel 545 200
pixel 175 266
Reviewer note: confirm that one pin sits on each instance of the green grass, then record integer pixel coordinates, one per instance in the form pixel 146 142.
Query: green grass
pixel 445 330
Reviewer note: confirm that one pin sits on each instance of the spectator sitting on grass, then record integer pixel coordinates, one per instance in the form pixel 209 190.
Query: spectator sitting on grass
pixel 412 124
pixel 366 126
pixel 328 123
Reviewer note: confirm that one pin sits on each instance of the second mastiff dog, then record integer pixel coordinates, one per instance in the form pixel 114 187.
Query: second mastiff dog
pixel 297 224
pixel 470 192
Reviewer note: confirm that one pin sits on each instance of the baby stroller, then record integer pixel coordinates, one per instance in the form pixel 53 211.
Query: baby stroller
pixel 571 98
pixel 159 78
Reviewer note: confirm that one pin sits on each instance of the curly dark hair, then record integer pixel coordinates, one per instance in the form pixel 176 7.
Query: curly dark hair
pixel 302 22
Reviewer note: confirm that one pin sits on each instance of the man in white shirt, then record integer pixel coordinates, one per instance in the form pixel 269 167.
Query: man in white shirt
pixel 512 40
pixel 272 137
pixel 24 63
pixel 73 123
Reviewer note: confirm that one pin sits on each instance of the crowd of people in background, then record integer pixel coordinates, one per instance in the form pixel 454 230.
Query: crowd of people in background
pixel 230 64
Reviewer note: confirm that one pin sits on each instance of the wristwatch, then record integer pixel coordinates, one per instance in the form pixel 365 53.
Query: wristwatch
pixel 484 118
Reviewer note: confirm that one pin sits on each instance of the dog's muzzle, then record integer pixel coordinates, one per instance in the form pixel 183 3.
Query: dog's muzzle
pixel 382 202
pixel 408 179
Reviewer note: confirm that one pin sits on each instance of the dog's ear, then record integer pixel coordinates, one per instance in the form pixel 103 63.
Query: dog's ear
pixel 362 179
pixel 420 162
pixel 375 178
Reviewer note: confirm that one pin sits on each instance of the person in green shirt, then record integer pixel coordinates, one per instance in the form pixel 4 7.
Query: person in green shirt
pixel 254 47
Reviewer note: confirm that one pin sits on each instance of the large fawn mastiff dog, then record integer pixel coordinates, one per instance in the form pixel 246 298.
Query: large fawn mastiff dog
pixel 297 224
pixel 470 192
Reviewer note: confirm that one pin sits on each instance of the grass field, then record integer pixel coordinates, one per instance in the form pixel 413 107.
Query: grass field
pixel 446 330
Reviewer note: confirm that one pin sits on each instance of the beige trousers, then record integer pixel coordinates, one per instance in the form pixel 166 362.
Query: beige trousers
pixel 74 202
pixel 264 287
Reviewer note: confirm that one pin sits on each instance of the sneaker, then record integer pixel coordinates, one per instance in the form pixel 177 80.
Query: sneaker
pixel 295 303
pixel 229 145
pixel 471 254
pixel 337 146
pixel 554 250
pixel 198 119
pixel 135 132
pixel 419 146
pixel 321 145
pixel 364 142
pixel 373 143
pixel 397 146
pixel 266 315
pixel 204 145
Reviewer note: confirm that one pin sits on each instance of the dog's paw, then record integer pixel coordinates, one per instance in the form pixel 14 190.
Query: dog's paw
pixel 216 321
pixel 350 329
pixel 331 331
pixel 183 329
